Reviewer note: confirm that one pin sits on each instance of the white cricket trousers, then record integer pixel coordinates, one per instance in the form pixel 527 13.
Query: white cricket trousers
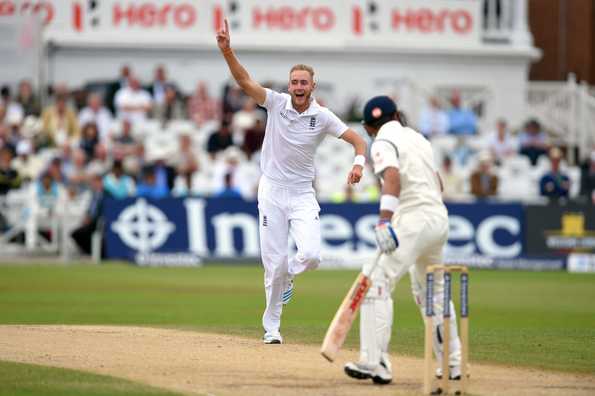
pixel 285 211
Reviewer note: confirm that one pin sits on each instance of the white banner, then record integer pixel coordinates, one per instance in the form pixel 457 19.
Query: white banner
pixel 261 24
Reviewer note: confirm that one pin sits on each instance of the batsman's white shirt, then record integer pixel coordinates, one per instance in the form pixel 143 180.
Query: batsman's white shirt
pixel 286 199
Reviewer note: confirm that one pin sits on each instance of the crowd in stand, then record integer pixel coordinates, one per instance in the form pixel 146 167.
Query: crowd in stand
pixel 84 145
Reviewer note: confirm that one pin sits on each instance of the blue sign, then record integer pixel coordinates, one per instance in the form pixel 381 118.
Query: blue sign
pixel 228 228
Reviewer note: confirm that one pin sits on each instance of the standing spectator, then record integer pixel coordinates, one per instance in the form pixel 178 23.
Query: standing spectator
pixel 170 108
pixel 453 183
pixel 433 120
pixel 461 121
pixel 9 177
pixel 83 234
pixel 28 100
pixel 158 87
pixel 220 140
pixel 149 187
pixel 588 178
pixel 533 141
pixel 14 110
pixel 115 86
pixel 117 184
pixel 89 139
pixel 501 144
pixel 484 183
pixel 97 114
pixel 202 107
pixel 555 184
pixel 133 102
pixel 60 124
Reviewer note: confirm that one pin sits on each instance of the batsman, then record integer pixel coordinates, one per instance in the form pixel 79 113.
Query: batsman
pixel 411 233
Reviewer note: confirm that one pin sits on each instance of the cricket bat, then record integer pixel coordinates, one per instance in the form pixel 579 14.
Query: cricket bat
pixel 341 324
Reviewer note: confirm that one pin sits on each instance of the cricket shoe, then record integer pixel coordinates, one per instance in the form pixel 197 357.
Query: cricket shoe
pixel 380 374
pixel 287 290
pixel 272 338
pixel 454 373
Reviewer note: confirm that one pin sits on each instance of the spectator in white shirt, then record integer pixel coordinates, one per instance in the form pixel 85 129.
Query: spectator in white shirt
pixel 501 144
pixel 133 103
pixel 433 120
pixel 96 113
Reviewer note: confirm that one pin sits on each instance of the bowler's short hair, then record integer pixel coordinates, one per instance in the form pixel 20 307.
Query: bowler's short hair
pixel 301 66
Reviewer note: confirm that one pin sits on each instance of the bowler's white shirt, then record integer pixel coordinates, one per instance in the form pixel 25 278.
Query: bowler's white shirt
pixel 411 153
pixel 291 139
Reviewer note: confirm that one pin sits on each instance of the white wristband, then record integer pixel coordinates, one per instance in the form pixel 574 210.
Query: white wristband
pixel 389 202
pixel 359 160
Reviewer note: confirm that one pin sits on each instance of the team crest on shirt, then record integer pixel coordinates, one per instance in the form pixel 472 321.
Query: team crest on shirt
pixel 312 122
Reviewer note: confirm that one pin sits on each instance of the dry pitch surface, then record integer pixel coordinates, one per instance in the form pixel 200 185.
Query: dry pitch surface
pixel 210 364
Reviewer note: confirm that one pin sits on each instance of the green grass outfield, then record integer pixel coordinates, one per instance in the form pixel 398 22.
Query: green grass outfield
pixel 543 320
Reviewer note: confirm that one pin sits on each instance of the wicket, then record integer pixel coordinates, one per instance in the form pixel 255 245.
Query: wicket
pixel 464 327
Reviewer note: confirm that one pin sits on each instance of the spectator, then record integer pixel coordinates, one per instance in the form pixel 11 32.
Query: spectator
pixel 233 100
pixel 229 190
pixel 14 110
pixel 484 183
pixel 28 100
pixel 100 163
pixel 42 205
pixel 202 107
pixel 76 174
pixel 117 184
pixel 165 175
pixel 461 121
pixel 588 178
pixel 253 138
pixel 125 143
pixel 133 103
pixel 27 164
pixel 220 140
pixel 9 177
pixel 149 186
pixel 244 119
pixel 89 139
pixel 158 87
pixel 555 184
pixel 433 120
pixel 117 85
pixel 501 144
pixel 533 141
pixel 97 114
pixel 462 152
pixel 91 223
pixel 60 124
pixel 170 108
pixel 453 183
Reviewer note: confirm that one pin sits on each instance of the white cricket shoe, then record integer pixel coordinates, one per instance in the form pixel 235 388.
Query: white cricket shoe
pixel 272 338
pixel 287 290
pixel 380 374
pixel 454 375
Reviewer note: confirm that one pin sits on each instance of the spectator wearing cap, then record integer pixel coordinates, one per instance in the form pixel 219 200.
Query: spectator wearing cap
pixel 9 177
pixel 555 184
pixel 433 120
pixel 133 102
pixel 117 184
pixel 461 121
pixel 588 178
pixel 484 183
pixel 28 100
pixel 201 107
pixel 96 113
pixel 220 140
pixel 59 122
pixel 533 141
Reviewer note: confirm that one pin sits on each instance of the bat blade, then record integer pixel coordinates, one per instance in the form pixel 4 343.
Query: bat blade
pixel 341 324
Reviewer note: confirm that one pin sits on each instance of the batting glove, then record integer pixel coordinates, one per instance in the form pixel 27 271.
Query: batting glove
pixel 386 237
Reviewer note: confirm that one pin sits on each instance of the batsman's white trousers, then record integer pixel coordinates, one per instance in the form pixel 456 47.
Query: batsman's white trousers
pixel 283 211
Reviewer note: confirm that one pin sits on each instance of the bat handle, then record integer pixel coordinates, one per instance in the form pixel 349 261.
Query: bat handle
pixel 371 268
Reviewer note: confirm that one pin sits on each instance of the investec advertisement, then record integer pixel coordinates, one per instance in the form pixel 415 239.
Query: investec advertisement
pixel 179 231
pixel 280 24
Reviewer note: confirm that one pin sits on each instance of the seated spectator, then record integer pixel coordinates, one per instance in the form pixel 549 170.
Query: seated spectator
pixel 76 172
pixel 461 121
pixel 28 100
pixel 97 114
pixel 27 164
pixel 462 152
pixel 59 122
pixel 253 138
pixel 453 183
pixel 171 108
pixel 149 187
pixel 484 183
pixel 533 141
pixel 185 161
pixel 229 190
pixel 9 177
pixel 125 143
pixel 89 139
pixel 202 107
pixel 588 178
pixel 117 184
pixel 501 144
pixel 244 119
pixel 42 205
pixel 220 140
pixel 100 163
pixel 554 184
pixel 133 103
pixel 83 234
pixel 233 100
pixel 433 120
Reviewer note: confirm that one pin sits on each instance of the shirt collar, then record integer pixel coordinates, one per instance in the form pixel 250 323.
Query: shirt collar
pixel 313 109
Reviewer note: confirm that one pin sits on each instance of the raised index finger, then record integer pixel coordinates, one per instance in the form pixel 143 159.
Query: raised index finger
pixel 226 31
